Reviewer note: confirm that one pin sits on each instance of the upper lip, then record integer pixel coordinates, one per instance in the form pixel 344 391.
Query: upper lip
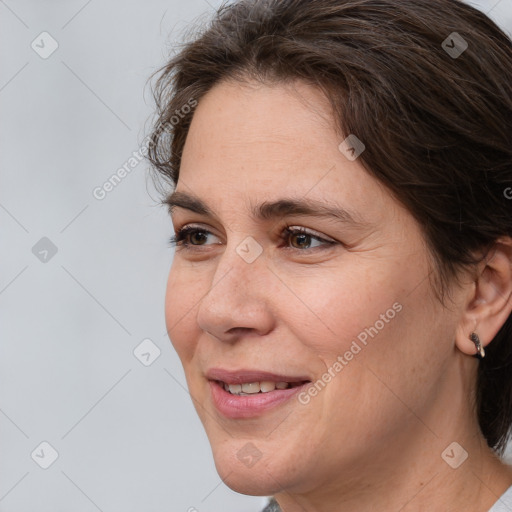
pixel 245 376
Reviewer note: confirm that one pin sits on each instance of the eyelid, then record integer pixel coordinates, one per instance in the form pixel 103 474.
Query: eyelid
pixel 183 231
pixel 311 232
pixel 291 227
pixel 286 231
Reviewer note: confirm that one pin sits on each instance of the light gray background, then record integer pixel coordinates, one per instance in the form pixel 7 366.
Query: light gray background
pixel 127 435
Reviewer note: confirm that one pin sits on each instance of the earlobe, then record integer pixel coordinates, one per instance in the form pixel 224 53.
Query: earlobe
pixel 490 303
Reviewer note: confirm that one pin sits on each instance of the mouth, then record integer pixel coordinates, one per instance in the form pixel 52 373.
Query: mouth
pixel 253 388
pixel 248 393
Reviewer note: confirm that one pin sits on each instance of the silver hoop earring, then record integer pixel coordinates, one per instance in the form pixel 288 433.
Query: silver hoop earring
pixel 480 352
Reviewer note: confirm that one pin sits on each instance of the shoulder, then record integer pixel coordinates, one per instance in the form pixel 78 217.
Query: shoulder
pixel 504 503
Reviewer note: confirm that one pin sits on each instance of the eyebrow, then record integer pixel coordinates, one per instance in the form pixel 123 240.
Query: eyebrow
pixel 269 210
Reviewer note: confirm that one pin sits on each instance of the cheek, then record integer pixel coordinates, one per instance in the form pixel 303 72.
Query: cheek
pixel 378 320
pixel 353 301
pixel 182 298
pixel 392 354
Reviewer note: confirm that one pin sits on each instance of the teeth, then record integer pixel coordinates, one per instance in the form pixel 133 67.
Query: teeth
pixel 267 386
pixel 251 388
pixel 234 389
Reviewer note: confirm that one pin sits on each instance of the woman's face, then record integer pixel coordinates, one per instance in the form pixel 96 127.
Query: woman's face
pixel 341 312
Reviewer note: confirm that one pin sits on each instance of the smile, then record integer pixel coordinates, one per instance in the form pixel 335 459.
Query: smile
pixel 251 388
pixel 250 393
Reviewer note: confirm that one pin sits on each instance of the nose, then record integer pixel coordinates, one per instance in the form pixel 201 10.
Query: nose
pixel 238 299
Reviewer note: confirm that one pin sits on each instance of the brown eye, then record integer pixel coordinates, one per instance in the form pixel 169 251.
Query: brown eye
pixel 198 237
pixel 190 236
pixel 302 239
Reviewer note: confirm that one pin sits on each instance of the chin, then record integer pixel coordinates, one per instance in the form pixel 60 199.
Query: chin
pixel 253 484
pixel 254 481
pixel 246 470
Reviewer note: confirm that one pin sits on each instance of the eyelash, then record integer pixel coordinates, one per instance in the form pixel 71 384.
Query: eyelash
pixel 180 238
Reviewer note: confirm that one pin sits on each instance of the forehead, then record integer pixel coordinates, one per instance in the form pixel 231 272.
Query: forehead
pixel 263 142
pixel 244 115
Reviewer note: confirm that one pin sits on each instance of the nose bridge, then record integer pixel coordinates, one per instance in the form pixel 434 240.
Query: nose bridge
pixel 239 266
pixel 235 297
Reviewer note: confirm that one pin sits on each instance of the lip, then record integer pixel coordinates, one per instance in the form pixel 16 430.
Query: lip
pixel 244 376
pixel 249 406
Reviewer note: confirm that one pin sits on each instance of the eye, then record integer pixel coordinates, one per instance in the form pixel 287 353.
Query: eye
pixel 190 236
pixel 303 239
pixel 295 238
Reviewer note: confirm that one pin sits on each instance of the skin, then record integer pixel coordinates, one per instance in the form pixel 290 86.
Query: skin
pixel 372 439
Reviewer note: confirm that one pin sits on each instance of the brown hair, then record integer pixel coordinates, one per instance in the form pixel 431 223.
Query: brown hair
pixel 437 126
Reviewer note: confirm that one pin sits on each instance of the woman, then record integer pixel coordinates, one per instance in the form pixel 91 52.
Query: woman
pixel 341 292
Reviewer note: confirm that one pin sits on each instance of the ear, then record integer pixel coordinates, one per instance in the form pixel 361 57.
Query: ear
pixel 489 302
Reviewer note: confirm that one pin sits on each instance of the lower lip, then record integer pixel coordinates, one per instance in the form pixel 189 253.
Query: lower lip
pixel 249 406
